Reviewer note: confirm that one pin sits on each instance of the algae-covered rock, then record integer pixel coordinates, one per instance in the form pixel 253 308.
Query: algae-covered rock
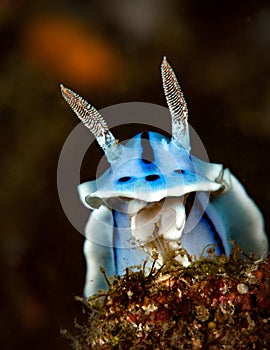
pixel 215 303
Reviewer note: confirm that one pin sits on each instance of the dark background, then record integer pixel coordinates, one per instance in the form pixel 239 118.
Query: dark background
pixel 111 54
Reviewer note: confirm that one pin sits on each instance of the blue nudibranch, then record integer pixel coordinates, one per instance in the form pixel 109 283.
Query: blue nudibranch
pixel 161 199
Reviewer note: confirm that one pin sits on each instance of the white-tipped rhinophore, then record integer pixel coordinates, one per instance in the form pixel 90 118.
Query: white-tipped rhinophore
pixel 177 105
pixel 93 120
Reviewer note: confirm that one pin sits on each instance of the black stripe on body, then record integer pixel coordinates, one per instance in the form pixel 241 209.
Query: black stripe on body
pixel 147 155
pixel 114 242
pixel 188 207
pixel 214 233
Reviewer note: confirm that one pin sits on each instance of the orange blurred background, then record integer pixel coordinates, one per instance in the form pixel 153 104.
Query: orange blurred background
pixel 72 53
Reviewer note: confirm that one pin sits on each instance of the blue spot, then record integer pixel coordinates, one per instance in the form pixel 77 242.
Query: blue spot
pixel 152 177
pixel 179 171
pixel 124 179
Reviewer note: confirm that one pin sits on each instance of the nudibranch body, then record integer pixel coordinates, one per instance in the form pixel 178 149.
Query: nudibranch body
pixel 157 197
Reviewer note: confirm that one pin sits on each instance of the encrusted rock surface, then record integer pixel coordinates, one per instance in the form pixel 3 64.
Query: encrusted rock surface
pixel 215 303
